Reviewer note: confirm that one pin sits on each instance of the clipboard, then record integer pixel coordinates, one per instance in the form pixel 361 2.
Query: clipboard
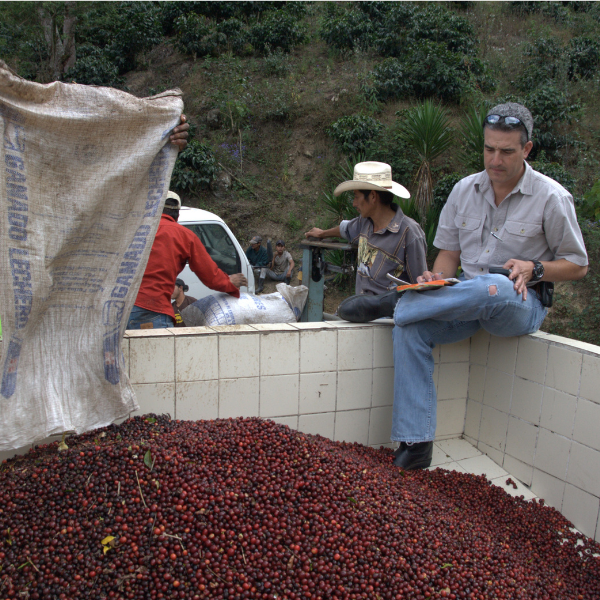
pixel 428 285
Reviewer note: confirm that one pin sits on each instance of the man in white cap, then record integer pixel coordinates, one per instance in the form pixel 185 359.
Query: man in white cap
pixel 173 246
pixel 508 217
pixel 388 241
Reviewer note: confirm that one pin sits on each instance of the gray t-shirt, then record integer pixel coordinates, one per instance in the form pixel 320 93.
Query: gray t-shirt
pixel 536 221
pixel 399 249
pixel 281 263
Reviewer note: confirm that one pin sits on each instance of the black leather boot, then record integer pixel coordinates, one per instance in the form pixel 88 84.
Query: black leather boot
pixel 365 307
pixel 261 285
pixel 413 456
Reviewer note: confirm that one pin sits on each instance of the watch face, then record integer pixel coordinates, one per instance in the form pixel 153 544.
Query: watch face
pixel 538 270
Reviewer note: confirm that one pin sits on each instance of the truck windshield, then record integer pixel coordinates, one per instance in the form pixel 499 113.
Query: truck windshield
pixel 218 244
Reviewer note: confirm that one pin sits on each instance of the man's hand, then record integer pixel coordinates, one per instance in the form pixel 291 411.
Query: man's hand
pixel 180 134
pixel 314 232
pixel 429 276
pixel 238 280
pixel 522 272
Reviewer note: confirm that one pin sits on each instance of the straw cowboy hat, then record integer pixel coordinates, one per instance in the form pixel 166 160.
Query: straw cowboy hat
pixel 373 176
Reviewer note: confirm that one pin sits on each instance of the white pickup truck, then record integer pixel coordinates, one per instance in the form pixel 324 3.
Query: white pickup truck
pixel 222 246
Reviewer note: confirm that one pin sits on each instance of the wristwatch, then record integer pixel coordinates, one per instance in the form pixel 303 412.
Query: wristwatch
pixel 538 270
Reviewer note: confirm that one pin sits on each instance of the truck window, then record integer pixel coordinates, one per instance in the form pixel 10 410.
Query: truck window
pixel 218 244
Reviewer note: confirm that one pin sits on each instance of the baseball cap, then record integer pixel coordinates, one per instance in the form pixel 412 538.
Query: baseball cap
pixel 514 109
pixel 257 239
pixel 173 201
pixel 280 243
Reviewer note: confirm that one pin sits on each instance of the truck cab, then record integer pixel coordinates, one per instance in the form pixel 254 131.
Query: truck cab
pixel 221 245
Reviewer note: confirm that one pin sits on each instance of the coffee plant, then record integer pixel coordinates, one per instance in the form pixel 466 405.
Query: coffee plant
pixel 195 167
pixel 94 67
pixel 204 33
pixel 277 30
pixel 584 57
pixel 355 133
pixel 589 208
pixel 555 171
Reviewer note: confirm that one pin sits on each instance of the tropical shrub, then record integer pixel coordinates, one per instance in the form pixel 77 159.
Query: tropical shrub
pixel 471 130
pixel 122 30
pixel 194 33
pixel 202 33
pixel 348 29
pixel 355 133
pixel 550 107
pixel 544 60
pixel 391 27
pixel 584 57
pixel 442 190
pixel 94 67
pixel 276 64
pixel 554 170
pixel 428 70
pixel 196 166
pixel 590 206
pixel 277 29
pixel 426 128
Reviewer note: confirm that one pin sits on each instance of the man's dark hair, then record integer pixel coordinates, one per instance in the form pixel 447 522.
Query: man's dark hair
pixel 386 198
pixel 502 126
pixel 171 212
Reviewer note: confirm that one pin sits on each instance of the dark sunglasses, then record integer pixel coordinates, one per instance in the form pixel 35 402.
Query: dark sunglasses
pixel 493 119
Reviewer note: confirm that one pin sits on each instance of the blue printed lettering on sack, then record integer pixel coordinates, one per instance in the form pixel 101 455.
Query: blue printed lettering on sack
pixel 259 304
pixel 16 179
pixel 17 217
pixel 157 180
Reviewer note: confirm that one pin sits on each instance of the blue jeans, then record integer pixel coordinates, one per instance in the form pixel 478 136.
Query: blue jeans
pixel 150 320
pixel 444 316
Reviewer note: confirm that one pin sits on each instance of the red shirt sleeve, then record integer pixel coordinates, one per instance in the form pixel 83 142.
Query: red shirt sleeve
pixel 206 269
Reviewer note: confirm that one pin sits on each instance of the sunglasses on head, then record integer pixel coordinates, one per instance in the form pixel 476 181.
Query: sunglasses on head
pixel 514 121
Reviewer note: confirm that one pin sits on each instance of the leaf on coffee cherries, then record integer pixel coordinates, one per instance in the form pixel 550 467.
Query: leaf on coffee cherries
pixel 148 460
pixel 108 542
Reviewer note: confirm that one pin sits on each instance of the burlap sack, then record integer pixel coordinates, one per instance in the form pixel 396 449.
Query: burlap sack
pixel 85 172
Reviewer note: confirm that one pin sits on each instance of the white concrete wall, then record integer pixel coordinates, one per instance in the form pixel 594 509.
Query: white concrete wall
pixel 333 378
pixel 534 407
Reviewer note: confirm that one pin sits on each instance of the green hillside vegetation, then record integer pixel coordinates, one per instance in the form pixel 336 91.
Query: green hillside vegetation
pixel 284 97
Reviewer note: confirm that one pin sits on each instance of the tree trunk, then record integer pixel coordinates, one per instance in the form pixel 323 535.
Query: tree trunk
pixel 61 48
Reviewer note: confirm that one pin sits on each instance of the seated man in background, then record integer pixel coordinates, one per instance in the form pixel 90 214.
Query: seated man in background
pixel 180 300
pixel 282 265
pixel 388 241
pixel 259 259
pixel 173 246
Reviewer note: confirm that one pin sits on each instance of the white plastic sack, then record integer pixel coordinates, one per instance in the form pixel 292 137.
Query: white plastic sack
pixel 283 306
pixel 85 172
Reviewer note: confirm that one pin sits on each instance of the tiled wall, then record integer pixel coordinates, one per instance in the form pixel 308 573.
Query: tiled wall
pixel 534 407
pixel 333 378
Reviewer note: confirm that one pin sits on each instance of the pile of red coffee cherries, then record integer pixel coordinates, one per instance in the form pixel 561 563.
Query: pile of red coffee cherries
pixel 246 508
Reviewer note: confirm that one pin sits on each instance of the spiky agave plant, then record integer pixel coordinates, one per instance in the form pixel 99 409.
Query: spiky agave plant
pixel 426 128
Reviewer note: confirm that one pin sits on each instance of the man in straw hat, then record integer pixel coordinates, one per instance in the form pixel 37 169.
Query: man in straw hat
pixel 508 217
pixel 388 241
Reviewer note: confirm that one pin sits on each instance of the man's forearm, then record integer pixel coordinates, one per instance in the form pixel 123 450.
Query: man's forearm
pixel 333 232
pixel 446 263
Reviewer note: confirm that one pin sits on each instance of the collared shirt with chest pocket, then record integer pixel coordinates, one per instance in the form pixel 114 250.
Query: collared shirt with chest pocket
pixel 536 221
pixel 399 249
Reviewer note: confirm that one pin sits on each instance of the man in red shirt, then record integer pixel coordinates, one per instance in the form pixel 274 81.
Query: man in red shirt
pixel 173 246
